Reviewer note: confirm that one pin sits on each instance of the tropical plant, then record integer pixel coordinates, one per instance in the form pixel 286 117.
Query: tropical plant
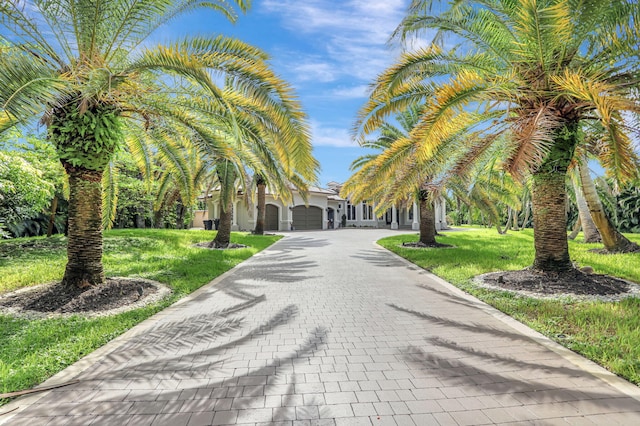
pixel 23 191
pixel 629 206
pixel 84 69
pixel 534 69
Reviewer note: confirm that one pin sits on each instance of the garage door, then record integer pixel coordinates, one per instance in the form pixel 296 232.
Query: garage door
pixel 271 218
pixel 307 218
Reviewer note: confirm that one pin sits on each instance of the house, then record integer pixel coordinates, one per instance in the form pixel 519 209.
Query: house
pixel 324 210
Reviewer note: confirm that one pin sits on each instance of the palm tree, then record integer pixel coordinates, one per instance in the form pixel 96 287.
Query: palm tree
pixel 84 69
pixel 534 69
pixel 227 173
pixel 261 187
pixel 375 174
pixel 612 239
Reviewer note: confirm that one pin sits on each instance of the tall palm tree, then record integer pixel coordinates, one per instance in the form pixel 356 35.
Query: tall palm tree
pixel 83 67
pixel 375 174
pixel 535 69
pixel 261 189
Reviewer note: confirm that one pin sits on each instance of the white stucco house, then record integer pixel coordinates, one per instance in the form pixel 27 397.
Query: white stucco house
pixel 324 210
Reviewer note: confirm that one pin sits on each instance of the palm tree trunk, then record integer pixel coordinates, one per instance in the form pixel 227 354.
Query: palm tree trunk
pixel 576 229
pixel 613 240
pixel 223 236
pixel 549 201
pixel 548 196
pixel 52 216
pixel 527 212
pixel 84 246
pixel 262 204
pixel 427 222
pixel 591 234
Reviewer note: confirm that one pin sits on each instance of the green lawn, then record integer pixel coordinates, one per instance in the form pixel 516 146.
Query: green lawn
pixel 607 333
pixel 33 350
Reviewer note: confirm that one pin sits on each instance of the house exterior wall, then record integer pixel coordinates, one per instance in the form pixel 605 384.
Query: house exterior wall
pixel 244 217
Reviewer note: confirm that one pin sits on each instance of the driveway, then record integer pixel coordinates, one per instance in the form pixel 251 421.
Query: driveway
pixel 327 328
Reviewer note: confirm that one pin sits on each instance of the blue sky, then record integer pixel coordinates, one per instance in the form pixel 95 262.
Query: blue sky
pixel 329 51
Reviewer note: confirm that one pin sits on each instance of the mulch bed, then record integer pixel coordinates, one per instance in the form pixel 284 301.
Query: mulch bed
pixel 570 283
pixel 423 245
pixel 116 295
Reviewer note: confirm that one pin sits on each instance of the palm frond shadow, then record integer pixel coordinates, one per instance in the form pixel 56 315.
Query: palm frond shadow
pixel 476 328
pixel 284 272
pixel 455 364
pixel 480 381
pixel 506 363
pixel 378 258
pixel 450 297
pixel 177 338
pixel 296 243
pixel 215 389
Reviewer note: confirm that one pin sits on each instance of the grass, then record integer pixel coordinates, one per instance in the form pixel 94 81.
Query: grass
pixel 33 350
pixel 605 332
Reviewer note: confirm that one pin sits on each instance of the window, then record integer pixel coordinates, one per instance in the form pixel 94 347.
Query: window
pixel 351 211
pixel 367 211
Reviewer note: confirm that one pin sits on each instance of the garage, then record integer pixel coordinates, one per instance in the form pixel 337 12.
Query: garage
pixel 307 218
pixel 271 218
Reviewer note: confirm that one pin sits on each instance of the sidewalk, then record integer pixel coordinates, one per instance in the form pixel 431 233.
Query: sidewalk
pixel 327 328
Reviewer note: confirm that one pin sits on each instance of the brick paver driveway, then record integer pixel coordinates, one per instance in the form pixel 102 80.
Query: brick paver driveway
pixel 327 328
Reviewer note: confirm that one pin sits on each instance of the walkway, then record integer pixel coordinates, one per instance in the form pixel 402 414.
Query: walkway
pixel 326 328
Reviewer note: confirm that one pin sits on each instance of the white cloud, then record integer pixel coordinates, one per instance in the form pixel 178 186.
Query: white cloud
pixel 331 136
pixel 313 70
pixel 354 33
pixel 354 92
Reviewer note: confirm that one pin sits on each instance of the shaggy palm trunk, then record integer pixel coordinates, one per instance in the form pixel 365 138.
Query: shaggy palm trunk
pixel 262 204
pixel 549 200
pixel 84 246
pixel 223 237
pixel 427 222
pixel 550 222
pixel 613 240
pixel 591 234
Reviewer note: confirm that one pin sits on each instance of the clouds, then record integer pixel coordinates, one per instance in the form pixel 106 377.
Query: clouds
pixel 338 137
pixel 352 35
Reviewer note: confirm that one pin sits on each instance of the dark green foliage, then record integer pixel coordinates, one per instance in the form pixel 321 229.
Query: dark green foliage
pixel 86 139
pixel 623 209
pixel 38 225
